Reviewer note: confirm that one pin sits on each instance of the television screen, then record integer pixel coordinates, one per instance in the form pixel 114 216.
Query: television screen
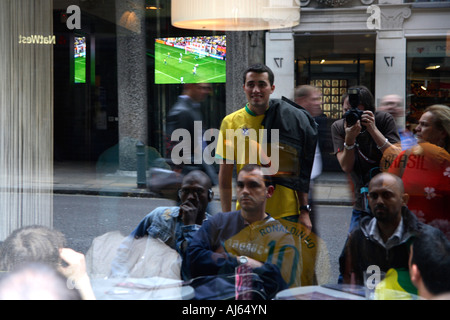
pixel 200 59
pixel 80 59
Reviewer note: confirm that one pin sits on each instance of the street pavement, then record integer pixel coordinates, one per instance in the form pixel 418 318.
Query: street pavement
pixel 331 188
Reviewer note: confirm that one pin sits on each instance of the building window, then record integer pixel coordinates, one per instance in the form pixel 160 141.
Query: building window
pixel 428 76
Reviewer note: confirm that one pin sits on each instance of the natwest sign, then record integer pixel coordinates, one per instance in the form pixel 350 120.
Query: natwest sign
pixel 37 39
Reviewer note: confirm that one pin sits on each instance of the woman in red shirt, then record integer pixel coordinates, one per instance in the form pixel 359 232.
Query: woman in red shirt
pixel 425 169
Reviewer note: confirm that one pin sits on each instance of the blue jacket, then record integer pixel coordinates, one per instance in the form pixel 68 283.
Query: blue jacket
pixel 165 223
pixel 223 237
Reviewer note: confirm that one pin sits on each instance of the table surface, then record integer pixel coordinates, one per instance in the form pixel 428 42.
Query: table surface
pixel 321 293
pixel 154 288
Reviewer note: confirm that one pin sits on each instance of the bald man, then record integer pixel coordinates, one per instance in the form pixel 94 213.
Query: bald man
pixel 382 239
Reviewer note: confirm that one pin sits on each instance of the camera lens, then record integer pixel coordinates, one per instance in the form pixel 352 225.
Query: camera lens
pixel 351 117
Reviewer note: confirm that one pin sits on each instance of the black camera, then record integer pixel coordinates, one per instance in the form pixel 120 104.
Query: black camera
pixel 354 114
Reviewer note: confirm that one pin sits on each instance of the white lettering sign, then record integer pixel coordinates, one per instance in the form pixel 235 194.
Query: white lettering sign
pixel 37 39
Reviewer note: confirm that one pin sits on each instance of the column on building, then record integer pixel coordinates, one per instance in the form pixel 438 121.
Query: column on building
pixel 244 48
pixel 280 58
pixel 390 55
pixel 132 81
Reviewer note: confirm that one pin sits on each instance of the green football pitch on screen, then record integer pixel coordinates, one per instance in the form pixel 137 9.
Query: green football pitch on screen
pixel 173 66
pixel 80 70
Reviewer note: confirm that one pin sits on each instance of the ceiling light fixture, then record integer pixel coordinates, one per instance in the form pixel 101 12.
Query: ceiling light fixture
pixel 424 86
pixel 235 15
pixel 433 67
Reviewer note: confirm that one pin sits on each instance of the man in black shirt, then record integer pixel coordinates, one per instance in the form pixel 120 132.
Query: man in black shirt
pixel 183 115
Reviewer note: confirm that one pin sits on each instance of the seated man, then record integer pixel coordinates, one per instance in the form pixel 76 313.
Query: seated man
pixel 384 239
pixel 249 236
pixel 430 264
pixel 172 225
pixel 36 281
pixel 40 244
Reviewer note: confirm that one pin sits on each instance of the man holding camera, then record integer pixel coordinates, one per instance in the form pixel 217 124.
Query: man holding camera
pixel 359 140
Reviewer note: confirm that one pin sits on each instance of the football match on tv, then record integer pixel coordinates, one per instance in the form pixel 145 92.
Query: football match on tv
pixel 190 60
pixel 80 60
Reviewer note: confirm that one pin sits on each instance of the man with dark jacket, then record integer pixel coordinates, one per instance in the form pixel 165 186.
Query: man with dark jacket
pixel 384 239
pixel 249 237
pixel 186 114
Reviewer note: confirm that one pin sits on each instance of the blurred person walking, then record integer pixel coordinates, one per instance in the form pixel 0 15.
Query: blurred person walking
pixel 183 115
pixel 394 105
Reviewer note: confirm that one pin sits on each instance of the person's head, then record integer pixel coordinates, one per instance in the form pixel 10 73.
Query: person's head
pixel 393 104
pixel 36 281
pixel 429 263
pixel 345 104
pixel 197 91
pixel 253 188
pixel 434 126
pixel 31 244
pixel 258 86
pixel 387 197
pixel 260 68
pixel 366 100
pixel 196 188
pixel 310 98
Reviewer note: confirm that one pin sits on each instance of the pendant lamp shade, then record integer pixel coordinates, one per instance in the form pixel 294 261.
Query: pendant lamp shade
pixel 235 15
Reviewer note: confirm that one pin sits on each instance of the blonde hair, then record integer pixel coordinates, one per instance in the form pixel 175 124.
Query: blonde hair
pixel 441 115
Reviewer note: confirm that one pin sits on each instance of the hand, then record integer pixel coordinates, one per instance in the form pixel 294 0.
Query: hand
pixel 189 212
pixel 305 220
pixel 252 263
pixel 76 263
pixel 352 132
pixel 76 273
pixel 368 120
